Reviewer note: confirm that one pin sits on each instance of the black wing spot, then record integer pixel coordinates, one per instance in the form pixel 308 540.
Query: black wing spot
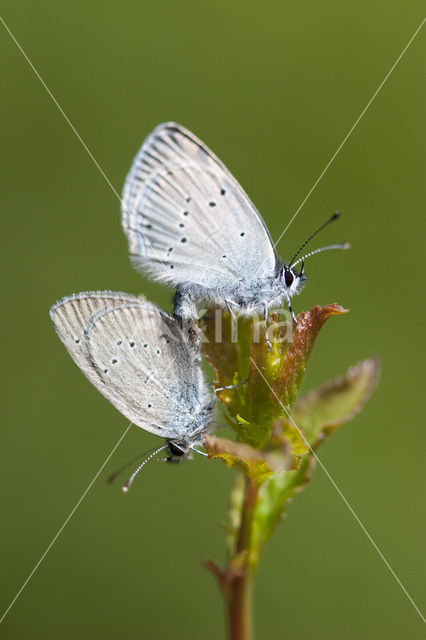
pixel 149 405
pixel 188 199
pixel 77 340
pixel 119 342
pixel 181 225
pixel 169 251
pixel 148 226
pixel 114 361
pixel 105 370
pixel 212 204
pixel 242 233
pixel 185 213
pixel 131 343
pixel 183 240
pixel 224 257
pixel 158 352
pixel 172 266
pixel 222 192
pixel 145 345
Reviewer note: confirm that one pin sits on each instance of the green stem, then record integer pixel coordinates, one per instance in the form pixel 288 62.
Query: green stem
pixel 238 593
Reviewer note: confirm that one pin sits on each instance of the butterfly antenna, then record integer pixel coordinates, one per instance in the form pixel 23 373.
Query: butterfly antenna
pixel 129 482
pixel 333 217
pixel 114 475
pixel 340 245
pixel 202 453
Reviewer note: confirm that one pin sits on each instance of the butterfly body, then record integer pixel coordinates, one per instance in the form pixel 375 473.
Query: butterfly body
pixel 248 298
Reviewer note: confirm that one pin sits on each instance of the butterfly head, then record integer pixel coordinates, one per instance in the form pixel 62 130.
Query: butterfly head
pixel 177 452
pixel 292 281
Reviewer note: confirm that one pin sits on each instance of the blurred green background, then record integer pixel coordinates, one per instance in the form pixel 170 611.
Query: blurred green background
pixel 272 88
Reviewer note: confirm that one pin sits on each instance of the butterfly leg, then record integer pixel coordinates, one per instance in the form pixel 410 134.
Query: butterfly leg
pixel 231 386
pixel 290 308
pixel 233 319
pixel 265 320
pixel 202 453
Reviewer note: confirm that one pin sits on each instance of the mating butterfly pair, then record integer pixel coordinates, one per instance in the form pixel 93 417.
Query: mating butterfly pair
pixel 190 225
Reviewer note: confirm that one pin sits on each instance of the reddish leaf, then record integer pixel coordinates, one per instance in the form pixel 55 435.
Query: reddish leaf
pixel 290 375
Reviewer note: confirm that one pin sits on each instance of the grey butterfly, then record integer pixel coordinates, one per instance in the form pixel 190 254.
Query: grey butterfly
pixel 140 360
pixel 189 224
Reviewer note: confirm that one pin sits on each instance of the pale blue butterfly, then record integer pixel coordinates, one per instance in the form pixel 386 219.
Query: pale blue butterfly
pixel 139 358
pixel 189 224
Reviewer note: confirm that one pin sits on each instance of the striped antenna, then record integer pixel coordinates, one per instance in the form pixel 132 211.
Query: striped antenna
pixel 129 482
pixel 333 217
pixel 340 245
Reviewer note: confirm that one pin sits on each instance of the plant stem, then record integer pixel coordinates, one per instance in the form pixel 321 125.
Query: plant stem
pixel 238 593
pixel 239 608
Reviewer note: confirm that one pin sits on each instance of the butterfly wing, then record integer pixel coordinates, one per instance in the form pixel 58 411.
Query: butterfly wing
pixel 182 210
pixel 134 354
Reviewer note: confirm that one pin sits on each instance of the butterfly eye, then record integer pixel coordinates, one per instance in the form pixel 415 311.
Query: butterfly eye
pixel 175 450
pixel 289 277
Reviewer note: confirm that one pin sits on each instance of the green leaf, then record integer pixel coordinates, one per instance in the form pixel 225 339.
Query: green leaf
pixel 228 357
pixel 274 495
pixel 266 361
pixel 285 432
pixel 242 456
pixel 276 373
pixel 325 409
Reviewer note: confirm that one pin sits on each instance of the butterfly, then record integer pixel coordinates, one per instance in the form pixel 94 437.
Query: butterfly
pixel 138 357
pixel 190 225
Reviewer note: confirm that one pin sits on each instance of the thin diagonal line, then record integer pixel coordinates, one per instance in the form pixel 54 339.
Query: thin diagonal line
pixel 361 115
pixel 118 196
pixel 342 496
pixel 92 157
pixel 67 520
pixel 312 188
pixel 60 108
pixel 294 216
pixel 61 528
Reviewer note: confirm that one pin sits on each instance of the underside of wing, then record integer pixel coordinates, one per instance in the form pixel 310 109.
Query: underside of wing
pixel 133 353
pixel 186 217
